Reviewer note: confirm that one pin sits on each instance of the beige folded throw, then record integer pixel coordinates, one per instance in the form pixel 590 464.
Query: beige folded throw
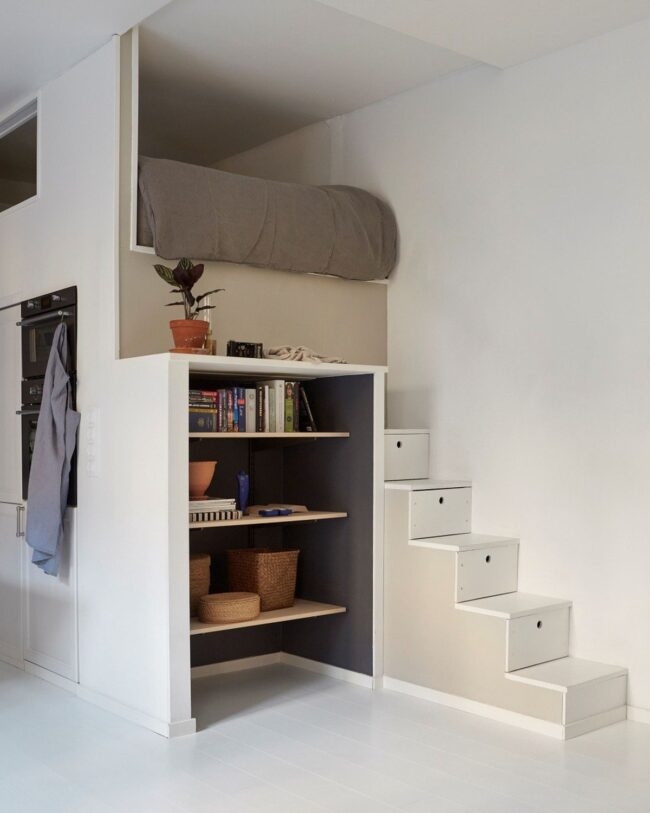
pixel 287 352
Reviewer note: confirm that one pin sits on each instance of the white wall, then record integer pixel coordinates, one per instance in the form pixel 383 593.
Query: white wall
pixel 518 315
pixel 67 236
pixel 304 156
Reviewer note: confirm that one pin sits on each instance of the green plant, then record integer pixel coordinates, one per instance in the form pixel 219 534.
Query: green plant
pixel 182 279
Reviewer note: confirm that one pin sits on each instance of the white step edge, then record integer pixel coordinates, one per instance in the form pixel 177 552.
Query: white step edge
pixel 463 542
pixel 425 484
pixel 513 605
pixel 566 673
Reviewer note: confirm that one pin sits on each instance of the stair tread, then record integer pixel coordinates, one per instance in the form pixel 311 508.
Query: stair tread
pixel 425 484
pixel 462 542
pixel 513 605
pixel 566 673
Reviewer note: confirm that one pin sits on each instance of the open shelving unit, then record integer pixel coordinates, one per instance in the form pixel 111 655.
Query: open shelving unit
pixel 304 516
pixel 301 609
pixel 268 435
pixel 337 472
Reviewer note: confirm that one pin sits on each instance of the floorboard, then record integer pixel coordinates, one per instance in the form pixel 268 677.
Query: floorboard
pixel 282 739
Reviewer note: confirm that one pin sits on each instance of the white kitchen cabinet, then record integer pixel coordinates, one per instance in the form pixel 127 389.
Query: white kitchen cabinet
pixel 11 546
pixel 50 609
pixel 10 376
pixel 11 507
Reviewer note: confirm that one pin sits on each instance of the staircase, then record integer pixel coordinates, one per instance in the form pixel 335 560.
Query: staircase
pixel 457 629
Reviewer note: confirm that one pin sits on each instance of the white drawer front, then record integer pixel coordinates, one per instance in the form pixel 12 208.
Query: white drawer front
pixel 537 638
pixel 440 512
pixel 406 457
pixel 486 572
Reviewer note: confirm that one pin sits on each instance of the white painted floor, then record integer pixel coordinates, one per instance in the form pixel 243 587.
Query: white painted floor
pixel 281 739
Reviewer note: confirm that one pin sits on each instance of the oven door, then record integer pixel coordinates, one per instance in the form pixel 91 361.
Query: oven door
pixel 37 336
pixel 28 420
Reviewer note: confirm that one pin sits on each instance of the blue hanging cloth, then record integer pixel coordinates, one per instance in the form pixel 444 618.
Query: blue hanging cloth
pixel 54 445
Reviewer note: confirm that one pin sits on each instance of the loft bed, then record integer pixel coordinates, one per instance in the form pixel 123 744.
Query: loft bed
pixel 186 210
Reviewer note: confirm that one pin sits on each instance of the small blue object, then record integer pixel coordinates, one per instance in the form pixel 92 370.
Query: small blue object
pixel 243 487
pixel 269 512
pixel 284 512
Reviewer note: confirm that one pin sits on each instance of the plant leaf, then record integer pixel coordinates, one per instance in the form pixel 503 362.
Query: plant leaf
pixel 186 278
pixel 185 264
pixel 205 308
pixel 207 293
pixel 165 274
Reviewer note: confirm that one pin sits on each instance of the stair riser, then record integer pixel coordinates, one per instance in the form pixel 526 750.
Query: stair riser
pixel 589 699
pixel 486 572
pixel 533 639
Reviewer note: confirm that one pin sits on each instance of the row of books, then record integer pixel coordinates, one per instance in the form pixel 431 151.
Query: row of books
pixel 266 406
pixel 213 509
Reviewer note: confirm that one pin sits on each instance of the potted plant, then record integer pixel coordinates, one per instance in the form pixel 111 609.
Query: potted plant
pixel 189 332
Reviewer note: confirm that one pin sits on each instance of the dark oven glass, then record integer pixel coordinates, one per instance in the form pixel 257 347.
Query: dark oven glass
pixel 28 434
pixel 29 419
pixel 37 341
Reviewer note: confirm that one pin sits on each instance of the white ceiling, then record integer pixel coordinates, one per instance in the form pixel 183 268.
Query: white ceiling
pixel 499 32
pixel 41 39
pixel 221 76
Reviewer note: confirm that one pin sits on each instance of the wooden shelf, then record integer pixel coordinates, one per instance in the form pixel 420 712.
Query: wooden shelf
pixel 268 435
pixel 301 609
pixel 304 516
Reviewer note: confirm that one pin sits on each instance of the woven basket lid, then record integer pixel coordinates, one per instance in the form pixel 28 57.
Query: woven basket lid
pixel 228 598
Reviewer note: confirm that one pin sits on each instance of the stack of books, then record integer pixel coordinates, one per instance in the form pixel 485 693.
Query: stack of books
pixel 212 510
pixel 266 406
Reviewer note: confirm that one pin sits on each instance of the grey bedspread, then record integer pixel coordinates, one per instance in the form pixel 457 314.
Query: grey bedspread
pixel 207 214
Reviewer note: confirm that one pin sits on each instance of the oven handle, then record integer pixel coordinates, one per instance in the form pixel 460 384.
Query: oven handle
pixel 27 411
pixel 43 317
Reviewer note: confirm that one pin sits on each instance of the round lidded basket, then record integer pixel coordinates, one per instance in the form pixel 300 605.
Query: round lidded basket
pixel 228 608
pixel 270 574
pixel 199 579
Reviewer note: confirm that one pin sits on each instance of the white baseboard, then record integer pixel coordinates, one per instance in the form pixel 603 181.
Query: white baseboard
pixel 51 677
pixel 210 669
pixel 356 678
pixel 182 728
pixel 19 663
pixel 474 707
pixel 239 665
pixel 595 722
pixel 638 715
pixel 556 730
pixel 161 727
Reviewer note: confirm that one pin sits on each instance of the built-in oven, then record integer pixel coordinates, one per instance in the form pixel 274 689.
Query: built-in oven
pixel 40 318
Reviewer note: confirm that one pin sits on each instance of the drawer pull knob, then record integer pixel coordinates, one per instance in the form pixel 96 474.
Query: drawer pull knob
pixel 399 444
pixel 488 559
pixel 441 500
pixel 539 625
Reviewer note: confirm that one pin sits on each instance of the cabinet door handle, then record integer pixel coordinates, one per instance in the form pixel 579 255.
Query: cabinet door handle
pixel 19 523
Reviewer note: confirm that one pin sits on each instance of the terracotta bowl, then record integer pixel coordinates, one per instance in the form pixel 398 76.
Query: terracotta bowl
pixel 201 475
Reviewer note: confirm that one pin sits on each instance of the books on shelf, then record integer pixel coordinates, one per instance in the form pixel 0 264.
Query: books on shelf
pixel 214 516
pixel 212 510
pixel 266 406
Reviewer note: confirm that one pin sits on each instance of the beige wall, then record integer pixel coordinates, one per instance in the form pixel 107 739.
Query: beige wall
pixel 332 316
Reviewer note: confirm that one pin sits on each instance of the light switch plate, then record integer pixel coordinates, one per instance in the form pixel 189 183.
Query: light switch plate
pixel 92 443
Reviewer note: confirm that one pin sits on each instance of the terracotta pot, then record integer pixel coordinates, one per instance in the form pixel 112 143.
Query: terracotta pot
pixel 201 475
pixel 189 332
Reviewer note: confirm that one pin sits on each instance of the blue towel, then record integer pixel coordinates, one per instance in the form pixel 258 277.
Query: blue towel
pixel 54 445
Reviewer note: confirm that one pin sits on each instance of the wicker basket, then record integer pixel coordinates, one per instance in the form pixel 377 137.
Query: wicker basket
pixel 228 608
pixel 271 574
pixel 199 579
